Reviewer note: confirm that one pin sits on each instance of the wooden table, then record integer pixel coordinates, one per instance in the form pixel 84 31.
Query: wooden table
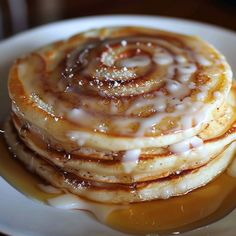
pixel 30 13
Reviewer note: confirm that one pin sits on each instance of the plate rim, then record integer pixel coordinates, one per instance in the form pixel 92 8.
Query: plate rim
pixel 116 17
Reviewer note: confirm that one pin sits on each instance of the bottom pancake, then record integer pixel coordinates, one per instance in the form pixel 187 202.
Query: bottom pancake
pixel 173 185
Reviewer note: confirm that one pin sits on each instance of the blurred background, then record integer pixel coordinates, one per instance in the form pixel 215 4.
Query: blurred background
pixel 19 15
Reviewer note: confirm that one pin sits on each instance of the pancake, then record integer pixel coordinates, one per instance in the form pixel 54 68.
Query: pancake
pixel 173 185
pixel 123 114
pixel 121 88
pixel 152 164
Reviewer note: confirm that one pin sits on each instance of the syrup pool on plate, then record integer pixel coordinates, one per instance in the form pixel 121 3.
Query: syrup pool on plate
pixel 178 214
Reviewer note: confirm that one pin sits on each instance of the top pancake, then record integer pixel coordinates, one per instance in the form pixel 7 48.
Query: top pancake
pixel 120 88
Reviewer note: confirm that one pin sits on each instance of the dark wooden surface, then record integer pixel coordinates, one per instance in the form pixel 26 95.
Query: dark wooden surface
pixel 26 14
pixel 30 13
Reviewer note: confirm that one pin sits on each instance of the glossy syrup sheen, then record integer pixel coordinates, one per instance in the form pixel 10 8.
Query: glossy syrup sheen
pixel 19 177
pixel 177 214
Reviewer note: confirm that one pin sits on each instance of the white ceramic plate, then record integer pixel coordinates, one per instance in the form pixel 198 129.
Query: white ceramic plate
pixel 22 216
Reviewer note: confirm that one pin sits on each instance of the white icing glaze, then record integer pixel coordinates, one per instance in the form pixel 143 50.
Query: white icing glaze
pixel 162 58
pixel 180 59
pixel 187 121
pixel 78 114
pixel 201 96
pixel 177 89
pixel 196 142
pixel 108 58
pixel 148 123
pixel 184 77
pixel 159 103
pixel 136 61
pixel 202 60
pixel 130 160
pixel 179 66
pixel 72 202
pixel 188 109
pixel 78 136
pixel 187 68
pixel 186 145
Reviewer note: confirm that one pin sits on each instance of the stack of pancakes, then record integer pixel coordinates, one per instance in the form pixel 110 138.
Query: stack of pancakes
pixel 123 114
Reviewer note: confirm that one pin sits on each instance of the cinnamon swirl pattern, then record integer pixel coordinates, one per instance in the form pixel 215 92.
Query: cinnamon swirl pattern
pixel 123 114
